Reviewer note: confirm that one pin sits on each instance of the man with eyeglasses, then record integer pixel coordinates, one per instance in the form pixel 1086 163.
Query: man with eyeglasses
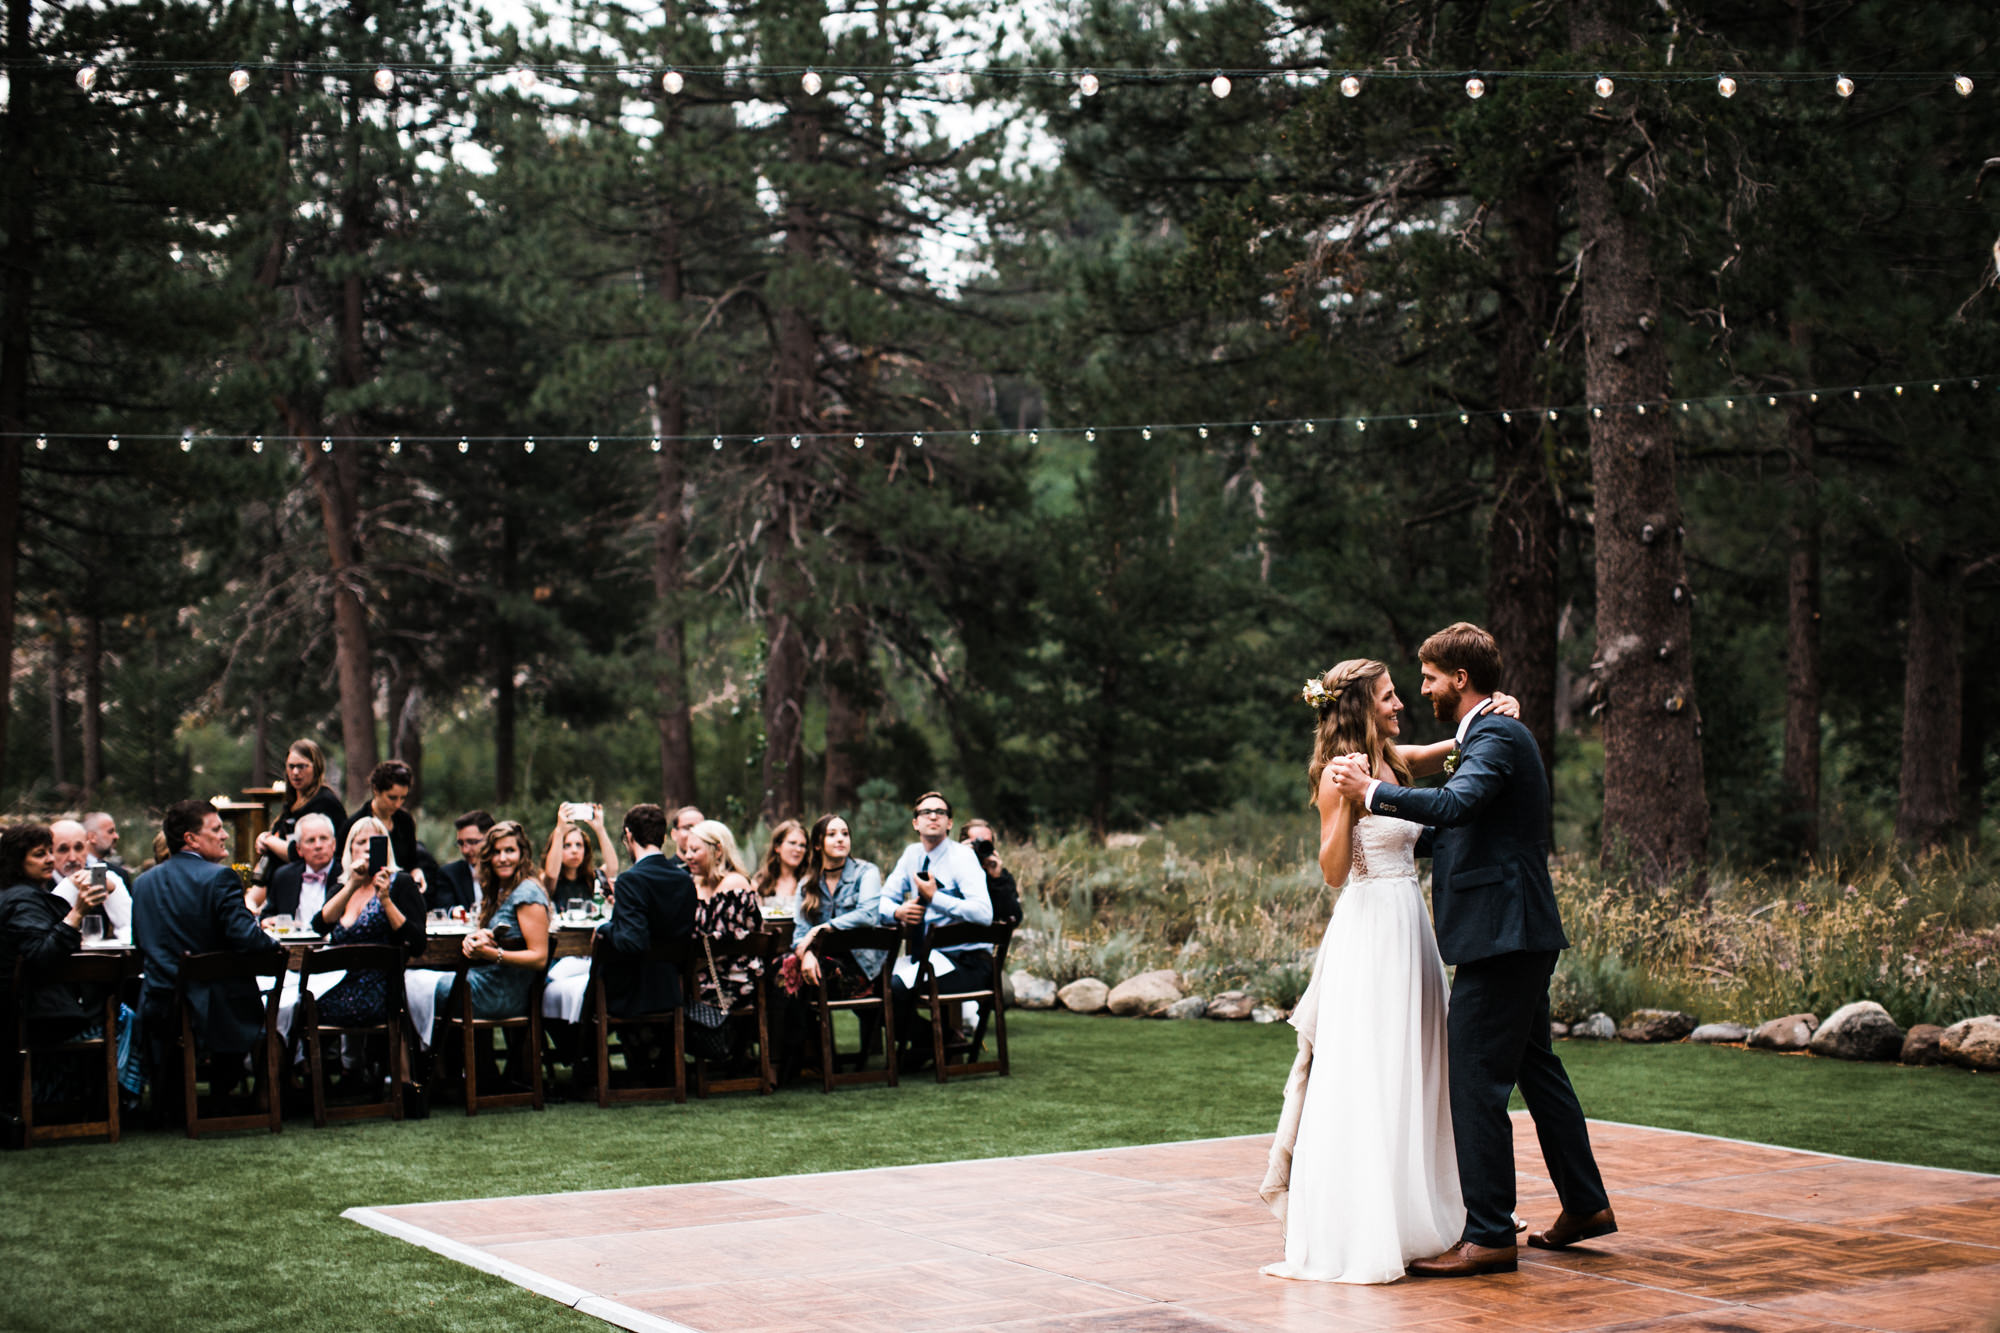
pixel 936 881
pixel 457 885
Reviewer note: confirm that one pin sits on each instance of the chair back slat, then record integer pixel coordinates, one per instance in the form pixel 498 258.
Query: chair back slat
pixel 231 966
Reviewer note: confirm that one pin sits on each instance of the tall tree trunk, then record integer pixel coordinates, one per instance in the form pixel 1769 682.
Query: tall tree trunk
pixel 58 699
pixel 260 758
pixel 1521 603
pixel 1933 695
pixel 1976 733
pixel 672 708
pixel 17 291
pixel 500 650
pixel 93 705
pixel 334 479
pixel 850 700
pixel 1801 773
pixel 406 736
pixel 1655 805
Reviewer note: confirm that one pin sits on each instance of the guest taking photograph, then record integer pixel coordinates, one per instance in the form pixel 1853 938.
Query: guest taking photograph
pixel 382 906
pixel 571 866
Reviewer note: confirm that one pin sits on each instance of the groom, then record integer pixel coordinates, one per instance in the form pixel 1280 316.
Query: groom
pixel 1497 922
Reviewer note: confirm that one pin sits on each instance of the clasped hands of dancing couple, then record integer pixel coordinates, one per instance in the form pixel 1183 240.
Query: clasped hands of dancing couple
pixel 1394 1152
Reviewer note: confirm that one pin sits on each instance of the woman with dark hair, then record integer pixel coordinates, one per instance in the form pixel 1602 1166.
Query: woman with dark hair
pixel 777 880
pixel 305 779
pixel 511 946
pixel 838 891
pixel 40 928
pixel 389 786
pixel 571 867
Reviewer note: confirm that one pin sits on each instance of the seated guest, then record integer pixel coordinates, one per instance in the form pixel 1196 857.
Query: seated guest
pixel 684 819
pixel 456 885
pixel 1000 886
pixel 382 908
pixel 192 902
pixel 308 794
pixel 511 946
pixel 936 881
pixel 569 872
pixel 102 830
pixel 777 880
pixel 303 885
pixel 73 872
pixel 839 891
pixel 725 910
pixel 389 785
pixel 41 928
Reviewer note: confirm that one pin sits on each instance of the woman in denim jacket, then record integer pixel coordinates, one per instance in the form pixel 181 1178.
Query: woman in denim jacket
pixel 837 891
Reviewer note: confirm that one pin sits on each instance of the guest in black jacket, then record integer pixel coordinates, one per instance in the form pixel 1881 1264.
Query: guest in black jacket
pixel 305 776
pixel 38 929
pixel 1000 886
pixel 457 885
pixel 654 904
pixel 302 887
pixel 390 783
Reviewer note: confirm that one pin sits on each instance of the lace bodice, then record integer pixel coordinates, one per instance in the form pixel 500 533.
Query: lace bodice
pixel 1384 846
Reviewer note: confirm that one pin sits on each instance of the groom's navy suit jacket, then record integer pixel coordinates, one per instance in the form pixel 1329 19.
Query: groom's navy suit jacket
pixel 1489 845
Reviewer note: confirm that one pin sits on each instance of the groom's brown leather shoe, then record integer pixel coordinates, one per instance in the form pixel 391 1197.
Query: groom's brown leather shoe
pixel 1467 1260
pixel 1569 1230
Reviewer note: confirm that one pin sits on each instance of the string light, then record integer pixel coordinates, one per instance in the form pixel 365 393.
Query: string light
pixel 1256 428
pixel 1605 87
pixel 1464 419
pixel 1413 423
pixel 326 445
pixel 957 85
pixel 528 445
pixel 1726 86
pixel 1642 409
pixel 1844 86
pixel 1360 424
pixel 42 443
pixel 239 79
pixel 525 80
pixel 1090 435
pixel 396 445
pixel 917 439
pixel 1963 85
pixel 795 441
pixel 857 442
pixel 463 445
pixel 1034 437
pixel 672 81
pixel 656 444
pixel 1475 88
pixel 975 438
pixel 1350 87
pixel 811 83
pixel 112 444
pixel 1204 432
pixel 1145 432
pixel 257 445
pixel 86 78
pixel 718 444
pixel 593 444
pixel 1087 85
pixel 1219 85
pixel 385 80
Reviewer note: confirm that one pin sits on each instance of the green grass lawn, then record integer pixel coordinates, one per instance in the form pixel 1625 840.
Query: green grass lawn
pixel 244 1231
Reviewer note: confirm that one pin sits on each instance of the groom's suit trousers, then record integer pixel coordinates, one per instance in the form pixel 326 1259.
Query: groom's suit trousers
pixel 1499 1038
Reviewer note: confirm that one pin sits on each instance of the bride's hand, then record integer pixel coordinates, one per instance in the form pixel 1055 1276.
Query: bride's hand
pixel 1506 705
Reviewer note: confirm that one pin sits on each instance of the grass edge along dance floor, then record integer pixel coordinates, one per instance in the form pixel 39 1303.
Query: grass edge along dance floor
pixel 1718 1234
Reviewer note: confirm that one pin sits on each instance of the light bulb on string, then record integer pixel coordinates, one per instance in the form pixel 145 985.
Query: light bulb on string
pixel 1034 437
pixel 1507 417
pixel 1088 84
pixel 1642 409
pixel 1204 432
pixel 1350 87
pixel 1772 399
pixel 1475 88
pixel 326 445
pixel 717 442
pixel 593 444
pixel 1726 86
pixel 672 81
pixel 1962 85
pixel 463 444
pixel 795 441
pixel 975 439
pixel 175 253
pixel 1857 395
pixel 1360 424
pixel 525 80
pixel 1256 428
pixel 1219 85
pixel 1145 432
pixel 656 444
pixel 812 83
pixel 858 442
pixel 239 79
pixel 1597 413
pixel 385 80
pixel 1937 388
pixel 1605 87
pixel 42 443
pixel 1729 403
pixel 917 439
pixel 1309 428
pixel 112 444
pixel 257 445
pixel 1090 435
pixel 1899 391
pixel 1552 414
pixel 1413 423
pixel 528 445
pixel 1684 406
pixel 1813 397
pixel 1464 419
pixel 86 78
pixel 396 445
pixel 1844 86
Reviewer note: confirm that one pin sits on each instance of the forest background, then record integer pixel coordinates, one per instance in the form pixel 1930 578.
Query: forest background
pixel 1742 634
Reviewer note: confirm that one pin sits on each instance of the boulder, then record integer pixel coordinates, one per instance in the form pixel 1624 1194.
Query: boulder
pixel 1265 1013
pixel 1973 1042
pixel 1598 1027
pixel 1862 1030
pixel 1232 1005
pixel 1656 1025
pixel 1920 1045
pixel 1192 1006
pixel 1790 1033
pixel 1145 993
pixel 1711 1034
pixel 1031 991
pixel 1557 1031
pixel 1085 995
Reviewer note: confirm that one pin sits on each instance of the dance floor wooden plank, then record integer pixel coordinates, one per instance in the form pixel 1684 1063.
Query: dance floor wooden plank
pixel 1168 1238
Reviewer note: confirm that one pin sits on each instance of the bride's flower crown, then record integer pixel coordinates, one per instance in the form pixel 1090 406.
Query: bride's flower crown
pixel 1319 696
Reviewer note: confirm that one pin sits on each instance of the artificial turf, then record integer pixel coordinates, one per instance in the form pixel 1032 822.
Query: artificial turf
pixel 244 1231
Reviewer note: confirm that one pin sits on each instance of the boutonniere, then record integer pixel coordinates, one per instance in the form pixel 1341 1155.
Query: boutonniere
pixel 1451 762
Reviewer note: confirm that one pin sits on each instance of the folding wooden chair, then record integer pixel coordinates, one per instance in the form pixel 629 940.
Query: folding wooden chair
pixel 209 968
pixel 386 958
pixel 940 1003
pixel 82 970
pixel 677 952
pixel 456 1012
pixel 765 949
pixel 871 1006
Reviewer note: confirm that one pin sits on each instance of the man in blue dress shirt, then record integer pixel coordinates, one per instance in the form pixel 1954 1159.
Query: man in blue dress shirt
pixel 936 881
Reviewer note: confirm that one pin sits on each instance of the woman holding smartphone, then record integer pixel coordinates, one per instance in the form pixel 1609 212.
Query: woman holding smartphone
pixel 375 904
pixel 568 871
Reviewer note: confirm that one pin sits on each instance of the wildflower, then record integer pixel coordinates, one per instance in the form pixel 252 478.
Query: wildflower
pixel 1849 891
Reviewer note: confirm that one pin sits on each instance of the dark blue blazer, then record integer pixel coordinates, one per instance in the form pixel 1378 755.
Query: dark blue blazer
pixel 282 898
pixel 188 905
pixel 653 904
pixel 452 886
pixel 1490 889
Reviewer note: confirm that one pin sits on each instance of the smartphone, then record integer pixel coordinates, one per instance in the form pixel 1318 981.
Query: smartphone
pixel 378 854
pixel 97 880
pixel 577 812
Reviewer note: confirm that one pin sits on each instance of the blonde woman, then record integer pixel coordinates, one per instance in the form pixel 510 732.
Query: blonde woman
pixel 777 881
pixel 384 907
pixel 725 909
pixel 1363 1171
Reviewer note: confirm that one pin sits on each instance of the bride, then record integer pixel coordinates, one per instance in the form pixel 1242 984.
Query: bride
pixel 1363 1173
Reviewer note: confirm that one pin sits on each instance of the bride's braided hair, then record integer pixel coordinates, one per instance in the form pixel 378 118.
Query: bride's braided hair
pixel 1344 698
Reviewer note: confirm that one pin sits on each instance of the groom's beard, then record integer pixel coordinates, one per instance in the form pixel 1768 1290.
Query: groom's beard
pixel 1444 704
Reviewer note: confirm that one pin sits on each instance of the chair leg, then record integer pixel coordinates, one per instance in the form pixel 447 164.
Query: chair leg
pixel 471 1045
pixel 825 1042
pixel 315 1070
pixel 111 1089
pixel 187 1074
pixel 267 1084
pixel 27 1097
pixel 399 1068
pixel 937 1034
pixel 604 1061
pixel 889 1026
pixel 1000 1031
pixel 534 1051
pixel 680 1056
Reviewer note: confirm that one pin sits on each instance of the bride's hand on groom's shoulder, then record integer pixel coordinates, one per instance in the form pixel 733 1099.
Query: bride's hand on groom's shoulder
pixel 1506 705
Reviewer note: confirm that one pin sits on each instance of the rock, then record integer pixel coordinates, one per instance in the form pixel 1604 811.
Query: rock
pixel 1192 1006
pixel 1265 1013
pixel 1790 1033
pixel 1862 1030
pixel 1031 991
pixel 1710 1034
pixel 1232 1005
pixel 1973 1042
pixel 1557 1031
pixel 1921 1046
pixel 1145 993
pixel 1656 1025
pixel 1085 995
pixel 1598 1027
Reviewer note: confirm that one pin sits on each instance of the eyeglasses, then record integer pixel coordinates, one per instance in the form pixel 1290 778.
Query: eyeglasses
pixel 934 810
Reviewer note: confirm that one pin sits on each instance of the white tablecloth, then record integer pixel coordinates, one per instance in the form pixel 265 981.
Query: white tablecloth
pixel 288 999
pixel 562 997
pixel 420 993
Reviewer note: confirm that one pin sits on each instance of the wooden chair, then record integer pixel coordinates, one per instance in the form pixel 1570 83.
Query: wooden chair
pixel 872 1006
pixel 764 948
pixel 386 958
pixel 680 954
pixel 208 968
pixel 106 970
pixel 456 1012
pixel 992 1006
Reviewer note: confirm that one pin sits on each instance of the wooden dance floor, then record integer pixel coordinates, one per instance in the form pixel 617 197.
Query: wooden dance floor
pixel 1717 1235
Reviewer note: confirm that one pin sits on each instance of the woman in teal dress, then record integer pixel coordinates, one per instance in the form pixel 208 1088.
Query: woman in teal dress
pixel 511 947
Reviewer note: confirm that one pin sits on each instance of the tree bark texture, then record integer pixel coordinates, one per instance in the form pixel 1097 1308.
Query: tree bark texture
pixel 850 701
pixel 500 650
pixel 672 707
pixel 58 700
pixel 1655 805
pixel 17 290
pixel 1521 603
pixel 93 705
pixel 1801 772
pixel 1933 697
pixel 334 481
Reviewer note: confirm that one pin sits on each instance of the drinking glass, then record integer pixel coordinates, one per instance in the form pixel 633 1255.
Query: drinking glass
pixel 92 929
pixel 577 909
pixel 281 922
pixel 437 916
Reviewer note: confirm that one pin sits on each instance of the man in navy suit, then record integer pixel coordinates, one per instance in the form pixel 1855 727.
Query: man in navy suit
pixel 192 902
pixel 1495 913
pixel 653 903
pixel 301 886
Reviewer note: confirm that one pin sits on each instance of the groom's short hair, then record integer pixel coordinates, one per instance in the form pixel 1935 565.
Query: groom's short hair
pixel 1468 648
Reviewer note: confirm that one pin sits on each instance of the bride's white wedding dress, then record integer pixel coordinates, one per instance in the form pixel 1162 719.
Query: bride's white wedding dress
pixel 1363 1172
